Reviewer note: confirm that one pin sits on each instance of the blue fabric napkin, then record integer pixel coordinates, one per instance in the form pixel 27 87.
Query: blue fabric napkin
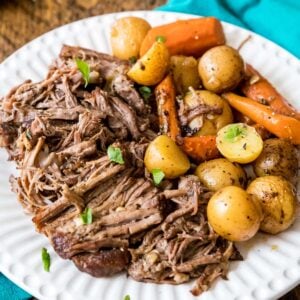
pixel 9 291
pixel 277 20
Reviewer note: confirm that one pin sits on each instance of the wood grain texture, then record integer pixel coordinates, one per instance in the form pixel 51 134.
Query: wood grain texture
pixel 23 20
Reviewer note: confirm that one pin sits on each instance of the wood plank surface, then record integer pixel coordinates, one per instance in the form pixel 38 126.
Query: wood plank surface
pixel 23 20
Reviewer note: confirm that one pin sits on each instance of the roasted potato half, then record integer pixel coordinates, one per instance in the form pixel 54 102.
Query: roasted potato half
pixel 152 66
pixel 127 35
pixel 221 69
pixel 185 73
pixel 219 113
pixel 278 202
pixel 218 173
pixel 279 158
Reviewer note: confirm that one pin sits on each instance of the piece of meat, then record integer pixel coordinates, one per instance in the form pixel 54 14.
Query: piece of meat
pixel 103 263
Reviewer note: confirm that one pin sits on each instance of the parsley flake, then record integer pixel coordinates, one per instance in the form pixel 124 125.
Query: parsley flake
pixel 132 59
pixel 160 39
pixel 146 92
pixel 115 155
pixel 87 216
pixel 28 134
pixel 235 131
pixel 127 297
pixel 46 259
pixel 84 69
pixel 158 175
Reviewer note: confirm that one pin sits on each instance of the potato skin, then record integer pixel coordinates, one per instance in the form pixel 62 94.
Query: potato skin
pixel 221 69
pixel 277 158
pixel 150 69
pixel 278 202
pixel 211 123
pixel 185 73
pixel 162 153
pixel 233 214
pixel 218 173
pixel 127 35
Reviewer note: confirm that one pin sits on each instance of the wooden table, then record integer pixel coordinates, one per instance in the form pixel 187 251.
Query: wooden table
pixel 23 20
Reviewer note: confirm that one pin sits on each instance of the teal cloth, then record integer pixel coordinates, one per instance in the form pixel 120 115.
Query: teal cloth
pixel 277 20
pixel 9 291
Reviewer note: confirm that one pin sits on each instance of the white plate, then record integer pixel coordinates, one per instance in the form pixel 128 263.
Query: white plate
pixel 272 264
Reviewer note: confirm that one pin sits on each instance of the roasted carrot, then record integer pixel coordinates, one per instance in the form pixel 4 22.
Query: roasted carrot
pixel 200 148
pixel 187 37
pixel 261 90
pixel 280 125
pixel 166 106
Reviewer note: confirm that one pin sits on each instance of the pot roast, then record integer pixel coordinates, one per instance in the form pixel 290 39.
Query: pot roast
pixel 57 131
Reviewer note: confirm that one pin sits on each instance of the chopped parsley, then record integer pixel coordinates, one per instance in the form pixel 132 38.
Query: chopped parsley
pixel 87 216
pixel 146 92
pixel 235 131
pixel 115 155
pixel 84 69
pixel 46 259
pixel 158 175
pixel 160 39
pixel 132 59
pixel 28 134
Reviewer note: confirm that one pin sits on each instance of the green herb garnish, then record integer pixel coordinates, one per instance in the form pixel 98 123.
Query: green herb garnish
pixel 87 216
pixel 132 59
pixel 115 155
pixel 84 69
pixel 160 39
pixel 28 134
pixel 158 175
pixel 146 92
pixel 127 297
pixel 46 259
pixel 235 131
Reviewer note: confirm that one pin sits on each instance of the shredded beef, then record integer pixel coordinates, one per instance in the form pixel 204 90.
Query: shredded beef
pixel 58 132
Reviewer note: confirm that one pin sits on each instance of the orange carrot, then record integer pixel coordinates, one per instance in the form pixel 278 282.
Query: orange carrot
pixel 200 148
pixel 261 90
pixel 187 37
pixel 166 105
pixel 280 125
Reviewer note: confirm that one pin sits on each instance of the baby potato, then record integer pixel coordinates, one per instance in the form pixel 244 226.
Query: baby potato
pixel 127 35
pixel 185 73
pixel 152 66
pixel 277 200
pixel 218 173
pixel 163 154
pixel 221 69
pixel 233 214
pixel 239 143
pixel 279 158
pixel 208 124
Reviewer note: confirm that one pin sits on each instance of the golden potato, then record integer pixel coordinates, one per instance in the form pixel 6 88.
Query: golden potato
pixel 152 66
pixel 218 173
pixel 163 154
pixel 233 214
pixel 278 158
pixel 277 200
pixel 208 124
pixel 239 143
pixel 221 69
pixel 127 35
pixel 185 73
